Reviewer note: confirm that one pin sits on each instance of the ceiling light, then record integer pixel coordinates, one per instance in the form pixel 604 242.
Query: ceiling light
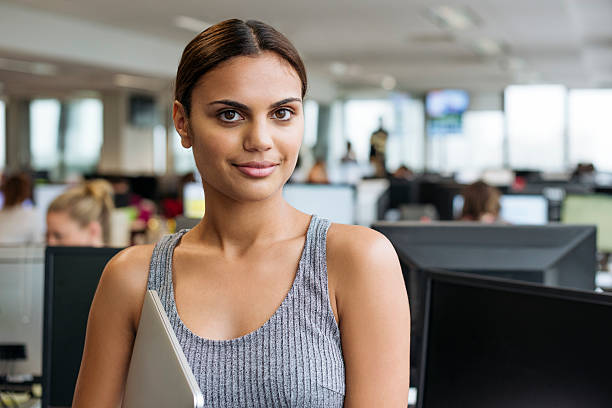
pixel 453 18
pixel 191 24
pixel 27 67
pixel 338 68
pixel 388 82
pixel 487 46
pixel 132 81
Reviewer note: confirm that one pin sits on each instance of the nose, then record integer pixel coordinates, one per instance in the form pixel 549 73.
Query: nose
pixel 257 137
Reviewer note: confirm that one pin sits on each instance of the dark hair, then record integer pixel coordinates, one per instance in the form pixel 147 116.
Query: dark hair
pixel 480 198
pixel 16 189
pixel 225 40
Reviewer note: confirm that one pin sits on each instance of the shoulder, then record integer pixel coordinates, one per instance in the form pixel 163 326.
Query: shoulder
pixel 361 263
pixel 129 266
pixel 359 247
pixel 125 277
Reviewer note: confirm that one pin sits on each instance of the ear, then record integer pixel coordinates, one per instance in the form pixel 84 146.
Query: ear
pixel 181 124
pixel 94 229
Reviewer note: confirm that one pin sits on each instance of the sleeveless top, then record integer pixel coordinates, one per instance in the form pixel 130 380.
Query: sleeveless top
pixel 293 360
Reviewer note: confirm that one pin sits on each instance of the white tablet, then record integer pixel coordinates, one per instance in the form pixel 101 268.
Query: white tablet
pixel 159 374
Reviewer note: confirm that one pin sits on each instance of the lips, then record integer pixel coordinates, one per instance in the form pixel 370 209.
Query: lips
pixel 257 169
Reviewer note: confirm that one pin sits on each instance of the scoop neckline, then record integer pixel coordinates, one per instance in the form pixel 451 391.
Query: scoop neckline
pixel 298 276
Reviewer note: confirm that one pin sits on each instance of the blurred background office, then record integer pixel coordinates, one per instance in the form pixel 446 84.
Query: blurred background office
pixel 480 110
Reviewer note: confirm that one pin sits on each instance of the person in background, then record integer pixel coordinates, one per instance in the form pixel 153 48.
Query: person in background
pixel 18 222
pixel 349 156
pixel 81 215
pixel 481 203
pixel 318 173
pixel 403 172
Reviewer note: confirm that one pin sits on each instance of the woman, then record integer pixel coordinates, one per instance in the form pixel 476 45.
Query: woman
pixel 19 223
pixel 481 203
pixel 81 215
pixel 272 307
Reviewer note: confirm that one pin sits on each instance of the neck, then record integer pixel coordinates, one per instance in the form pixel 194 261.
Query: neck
pixel 235 226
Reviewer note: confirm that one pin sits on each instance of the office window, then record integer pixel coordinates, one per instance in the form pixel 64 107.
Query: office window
pixel 536 120
pixel 361 119
pixel 2 135
pixel 183 158
pixel 406 143
pixel 311 118
pixel 478 147
pixel 590 130
pixel 44 132
pixel 83 134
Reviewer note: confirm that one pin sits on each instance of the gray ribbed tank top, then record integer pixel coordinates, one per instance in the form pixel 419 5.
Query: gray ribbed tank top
pixel 293 360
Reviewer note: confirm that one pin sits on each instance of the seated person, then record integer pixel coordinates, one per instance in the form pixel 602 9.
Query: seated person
pixel 481 203
pixel 19 223
pixel 81 215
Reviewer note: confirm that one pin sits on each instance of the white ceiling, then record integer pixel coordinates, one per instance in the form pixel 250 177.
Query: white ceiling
pixel 552 41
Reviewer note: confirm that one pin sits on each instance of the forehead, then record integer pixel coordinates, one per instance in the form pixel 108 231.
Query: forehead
pixel 266 76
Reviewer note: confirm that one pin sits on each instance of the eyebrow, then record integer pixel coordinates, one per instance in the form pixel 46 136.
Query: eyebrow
pixel 245 108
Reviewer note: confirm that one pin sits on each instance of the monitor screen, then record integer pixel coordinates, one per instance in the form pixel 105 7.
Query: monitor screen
pixel 518 209
pixel 71 279
pixel 445 102
pixel 44 194
pixel 556 255
pixel 593 209
pixel 336 202
pixel 522 209
pixel 21 306
pixel 490 343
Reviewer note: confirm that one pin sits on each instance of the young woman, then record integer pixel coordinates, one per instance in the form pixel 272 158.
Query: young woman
pixel 481 203
pixel 81 215
pixel 19 223
pixel 272 307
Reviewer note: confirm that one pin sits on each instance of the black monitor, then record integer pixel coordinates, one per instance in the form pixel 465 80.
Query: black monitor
pixel 553 254
pixel 71 279
pixel 496 343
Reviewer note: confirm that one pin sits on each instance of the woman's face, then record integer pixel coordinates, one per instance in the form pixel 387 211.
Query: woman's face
pixel 64 231
pixel 245 126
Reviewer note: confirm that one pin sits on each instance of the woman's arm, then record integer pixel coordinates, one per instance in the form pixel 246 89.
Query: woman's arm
pixel 111 329
pixel 374 316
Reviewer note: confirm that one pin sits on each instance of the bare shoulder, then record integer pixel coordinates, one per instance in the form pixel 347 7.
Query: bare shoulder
pixel 356 249
pixel 124 279
pixel 129 266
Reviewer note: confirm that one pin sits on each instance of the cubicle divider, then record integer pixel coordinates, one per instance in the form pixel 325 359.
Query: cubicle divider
pixel 21 307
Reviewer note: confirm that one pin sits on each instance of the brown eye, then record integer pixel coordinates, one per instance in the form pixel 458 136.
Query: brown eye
pixel 282 114
pixel 230 116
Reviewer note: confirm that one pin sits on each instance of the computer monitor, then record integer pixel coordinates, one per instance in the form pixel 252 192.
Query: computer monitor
pixel 593 209
pixel 336 202
pixel 21 306
pixel 44 194
pixel 493 343
pixel 71 279
pixel 518 209
pixel 553 254
pixel 524 209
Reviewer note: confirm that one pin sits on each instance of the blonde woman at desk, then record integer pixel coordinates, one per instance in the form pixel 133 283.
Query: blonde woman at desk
pixel 81 216
pixel 272 307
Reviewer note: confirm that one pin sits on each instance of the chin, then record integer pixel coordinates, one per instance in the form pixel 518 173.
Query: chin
pixel 257 193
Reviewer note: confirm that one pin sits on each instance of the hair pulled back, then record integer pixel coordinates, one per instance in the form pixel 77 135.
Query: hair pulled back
pixel 225 40
pixel 16 189
pixel 88 202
